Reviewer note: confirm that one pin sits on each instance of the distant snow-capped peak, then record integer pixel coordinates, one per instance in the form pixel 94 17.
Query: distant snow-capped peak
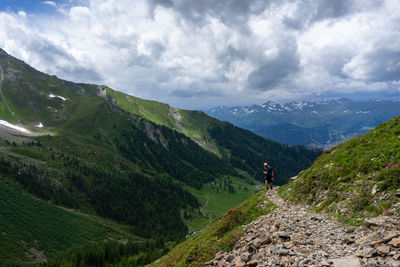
pixel 290 107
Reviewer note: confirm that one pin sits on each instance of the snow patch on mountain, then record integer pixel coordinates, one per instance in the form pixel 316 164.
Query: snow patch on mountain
pixel 57 96
pixel 15 127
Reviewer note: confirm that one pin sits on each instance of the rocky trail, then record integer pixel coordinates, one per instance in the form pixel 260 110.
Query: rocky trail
pixel 295 236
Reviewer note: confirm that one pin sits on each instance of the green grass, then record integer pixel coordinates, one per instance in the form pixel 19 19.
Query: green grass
pixel 343 179
pixel 5 114
pixel 154 111
pixel 27 222
pixel 194 124
pixel 216 199
pixel 219 236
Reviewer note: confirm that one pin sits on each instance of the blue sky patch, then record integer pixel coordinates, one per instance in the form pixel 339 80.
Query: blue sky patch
pixel 37 6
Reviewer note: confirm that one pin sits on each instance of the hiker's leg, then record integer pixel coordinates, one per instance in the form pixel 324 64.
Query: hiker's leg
pixel 266 184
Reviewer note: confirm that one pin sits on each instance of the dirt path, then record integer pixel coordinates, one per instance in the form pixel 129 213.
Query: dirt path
pixel 295 236
pixel 202 211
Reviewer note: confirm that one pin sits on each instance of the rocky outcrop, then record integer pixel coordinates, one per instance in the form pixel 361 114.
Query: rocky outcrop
pixel 294 236
pixel 101 91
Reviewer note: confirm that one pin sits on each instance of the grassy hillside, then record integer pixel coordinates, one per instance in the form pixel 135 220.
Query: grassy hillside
pixel 221 235
pixel 215 199
pixel 194 124
pixel 118 179
pixel 30 97
pixel 29 226
pixel 154 111
pixel 240 148
pixel 355 179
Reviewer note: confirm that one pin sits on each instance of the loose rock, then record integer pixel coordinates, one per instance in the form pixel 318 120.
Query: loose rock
pixel 292 235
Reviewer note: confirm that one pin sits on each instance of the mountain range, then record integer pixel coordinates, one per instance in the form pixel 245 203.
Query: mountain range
pixel 311 123
pixel 120 167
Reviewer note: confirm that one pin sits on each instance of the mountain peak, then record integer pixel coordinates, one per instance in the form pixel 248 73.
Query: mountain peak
pixel 3 53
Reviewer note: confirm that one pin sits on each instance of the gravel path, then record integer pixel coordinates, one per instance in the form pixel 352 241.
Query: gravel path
pixel 295 236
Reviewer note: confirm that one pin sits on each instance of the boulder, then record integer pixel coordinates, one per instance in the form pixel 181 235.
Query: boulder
pixel 325 263
pixel 374 189
pixel 395 242
pixel 264 241
pixel 383 249
pixel 283 235
pixel 367 252
pixel 378 221
pixel 350 261
pixel 246 256
pixel 392 263
pixel 252 263
pixel 279 250
pixel 219 256
pixel 368 239
pixel 238 262
pixel 288 245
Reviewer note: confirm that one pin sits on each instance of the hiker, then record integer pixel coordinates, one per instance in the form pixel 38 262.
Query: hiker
pixel 269 176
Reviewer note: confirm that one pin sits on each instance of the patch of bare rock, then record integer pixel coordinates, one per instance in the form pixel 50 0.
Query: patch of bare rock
pixel 295 236
pixel 36 256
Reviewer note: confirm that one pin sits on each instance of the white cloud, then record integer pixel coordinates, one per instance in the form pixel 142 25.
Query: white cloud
pixel 214 52
pixel 50 3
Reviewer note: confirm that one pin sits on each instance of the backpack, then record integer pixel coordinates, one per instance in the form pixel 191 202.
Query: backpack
pixel 269 172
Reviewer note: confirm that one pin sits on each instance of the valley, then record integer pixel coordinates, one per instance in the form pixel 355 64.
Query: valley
pixel 216 198
pixel 133 162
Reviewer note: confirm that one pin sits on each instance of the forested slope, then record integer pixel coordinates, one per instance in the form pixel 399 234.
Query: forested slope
pixel 240 148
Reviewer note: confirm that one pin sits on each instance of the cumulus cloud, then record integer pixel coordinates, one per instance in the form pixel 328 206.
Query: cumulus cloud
pixel 232 13
pixel 194 54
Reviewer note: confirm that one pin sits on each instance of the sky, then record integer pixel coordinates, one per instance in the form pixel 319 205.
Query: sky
pixel 200 54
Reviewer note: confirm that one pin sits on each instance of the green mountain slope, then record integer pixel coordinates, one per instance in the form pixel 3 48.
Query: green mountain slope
pixel 241 148
pixel 29 226
pixel 137 162
pixel 102 159
pixel 354 179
